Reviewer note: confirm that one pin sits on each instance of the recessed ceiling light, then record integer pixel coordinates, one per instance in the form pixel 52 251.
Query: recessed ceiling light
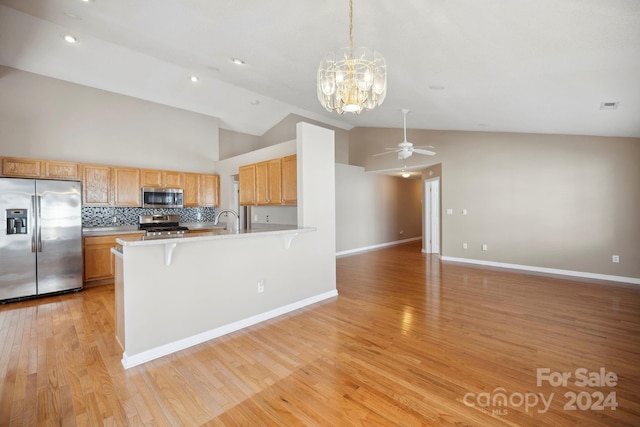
pixel 609 105
pixel 194 79
pixel 70 39
pixel 237 61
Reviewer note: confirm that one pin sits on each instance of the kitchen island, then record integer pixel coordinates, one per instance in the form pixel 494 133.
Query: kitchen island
pixel 173 293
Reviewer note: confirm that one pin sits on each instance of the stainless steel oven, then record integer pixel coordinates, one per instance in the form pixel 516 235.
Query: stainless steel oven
pixel 162 197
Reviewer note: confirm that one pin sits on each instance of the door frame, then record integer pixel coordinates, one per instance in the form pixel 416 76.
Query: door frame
pixel 431 219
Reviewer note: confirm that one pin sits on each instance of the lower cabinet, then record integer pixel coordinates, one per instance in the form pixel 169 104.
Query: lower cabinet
pixel 98 259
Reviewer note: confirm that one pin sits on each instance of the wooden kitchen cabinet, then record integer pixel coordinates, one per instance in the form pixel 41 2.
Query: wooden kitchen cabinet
pixel 269 182
pixel 151 178
pixel 209 190
pixel 96 185
pixel 272 182
pixel 34 168
pixel 61 170
pixel 172 179
pixel 247 184
pixel 191 188
pixel 160 178
pixel 126 187
pixel 98 259
pixel 290 180
pixel 23 168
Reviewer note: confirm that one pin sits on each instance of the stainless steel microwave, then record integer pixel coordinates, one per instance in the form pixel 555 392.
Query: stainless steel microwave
pixel 162 197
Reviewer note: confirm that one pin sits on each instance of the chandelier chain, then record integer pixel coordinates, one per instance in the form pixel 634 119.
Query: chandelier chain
pixel 351 25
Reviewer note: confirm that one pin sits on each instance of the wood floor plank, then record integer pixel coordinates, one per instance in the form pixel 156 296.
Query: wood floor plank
pixel 410 340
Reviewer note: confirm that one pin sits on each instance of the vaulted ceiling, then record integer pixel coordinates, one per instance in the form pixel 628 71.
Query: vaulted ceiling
pixel 534 66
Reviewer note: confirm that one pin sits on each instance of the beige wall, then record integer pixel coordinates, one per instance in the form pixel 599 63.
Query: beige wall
pixel 42 117
pixel 235 143
pixel 372 209
pixel 553 201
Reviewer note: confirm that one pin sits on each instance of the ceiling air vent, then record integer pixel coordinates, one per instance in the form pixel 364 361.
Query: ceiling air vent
pixel 608 105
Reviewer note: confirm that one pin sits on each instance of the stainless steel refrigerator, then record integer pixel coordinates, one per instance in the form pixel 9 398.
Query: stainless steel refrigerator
pixel 41 237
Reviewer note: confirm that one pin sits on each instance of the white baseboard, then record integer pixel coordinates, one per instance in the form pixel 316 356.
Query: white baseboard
pixel 381 245
pixel 163 350
pixel 633 280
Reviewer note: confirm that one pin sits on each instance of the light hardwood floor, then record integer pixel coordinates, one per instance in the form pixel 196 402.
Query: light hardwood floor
pixel 410 340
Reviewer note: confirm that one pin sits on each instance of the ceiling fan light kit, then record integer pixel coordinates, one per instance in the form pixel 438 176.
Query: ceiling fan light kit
pixel 352 80
pixel 406 149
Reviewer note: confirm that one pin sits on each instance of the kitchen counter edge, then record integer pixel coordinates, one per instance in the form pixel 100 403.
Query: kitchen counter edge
pixel 216 235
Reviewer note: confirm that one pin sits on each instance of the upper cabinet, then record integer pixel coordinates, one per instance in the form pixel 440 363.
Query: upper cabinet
pixel 209 190
pixel 117 186
pixel 269 182
pixel 201 189
pixel 272 182
pixel 126 187
pixel 191 189
pixel 247 184
pixel 159 178
pixel 34 168
pixel 290 180
pixel 96 185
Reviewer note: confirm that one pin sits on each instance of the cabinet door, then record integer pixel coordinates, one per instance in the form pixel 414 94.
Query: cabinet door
pixel 96 185
pixel 275 181
pixel 191 189
pixel 151 178
pixel 209 190
pixel 290 180
pixel 61 170
pixel 126 184
pixel 98 259
pixel 247 184
pixel 26 168
pixel 98 262
pixel 172 179
pixel 262 183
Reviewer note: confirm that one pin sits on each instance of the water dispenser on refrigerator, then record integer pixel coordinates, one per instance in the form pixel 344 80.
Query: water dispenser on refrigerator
pixel 17 221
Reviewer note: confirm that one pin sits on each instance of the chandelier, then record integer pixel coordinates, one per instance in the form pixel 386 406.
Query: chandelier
pixel 352 79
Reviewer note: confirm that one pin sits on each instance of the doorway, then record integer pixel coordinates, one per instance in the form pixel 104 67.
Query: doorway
pixel 431 235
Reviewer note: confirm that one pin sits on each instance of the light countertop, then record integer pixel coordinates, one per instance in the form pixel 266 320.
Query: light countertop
pixel 131 229
pixel 218 234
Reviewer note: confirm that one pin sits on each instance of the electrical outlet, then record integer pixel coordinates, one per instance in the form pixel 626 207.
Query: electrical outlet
pixel 267 218
pixel 199 216
pixel 485 247
pixel 615 258
pixel 449 211
pixel 260 286
pixel 464 211
pixel 464 245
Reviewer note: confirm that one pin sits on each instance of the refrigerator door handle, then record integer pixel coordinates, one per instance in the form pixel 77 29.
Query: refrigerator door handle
pixel 39 225
pixel 33 224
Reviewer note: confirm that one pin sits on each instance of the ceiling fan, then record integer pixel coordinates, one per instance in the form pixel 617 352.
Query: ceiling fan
pixel 405 149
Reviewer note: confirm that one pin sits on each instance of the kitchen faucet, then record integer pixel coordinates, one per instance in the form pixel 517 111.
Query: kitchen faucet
pixel 217 218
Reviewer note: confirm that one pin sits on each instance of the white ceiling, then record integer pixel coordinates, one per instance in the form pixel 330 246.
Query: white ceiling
pixel 538 66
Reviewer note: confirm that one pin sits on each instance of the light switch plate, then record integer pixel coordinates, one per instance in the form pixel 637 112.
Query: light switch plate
pixel 449 211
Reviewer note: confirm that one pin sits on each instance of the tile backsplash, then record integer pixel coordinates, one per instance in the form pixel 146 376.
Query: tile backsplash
pixel 104 217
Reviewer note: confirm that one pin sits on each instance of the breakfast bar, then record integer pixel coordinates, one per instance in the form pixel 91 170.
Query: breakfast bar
pixel 173 293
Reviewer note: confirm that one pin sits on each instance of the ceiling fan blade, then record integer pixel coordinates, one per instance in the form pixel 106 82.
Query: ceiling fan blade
pixel 425 152
pixel 386 152
pixel 424 146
